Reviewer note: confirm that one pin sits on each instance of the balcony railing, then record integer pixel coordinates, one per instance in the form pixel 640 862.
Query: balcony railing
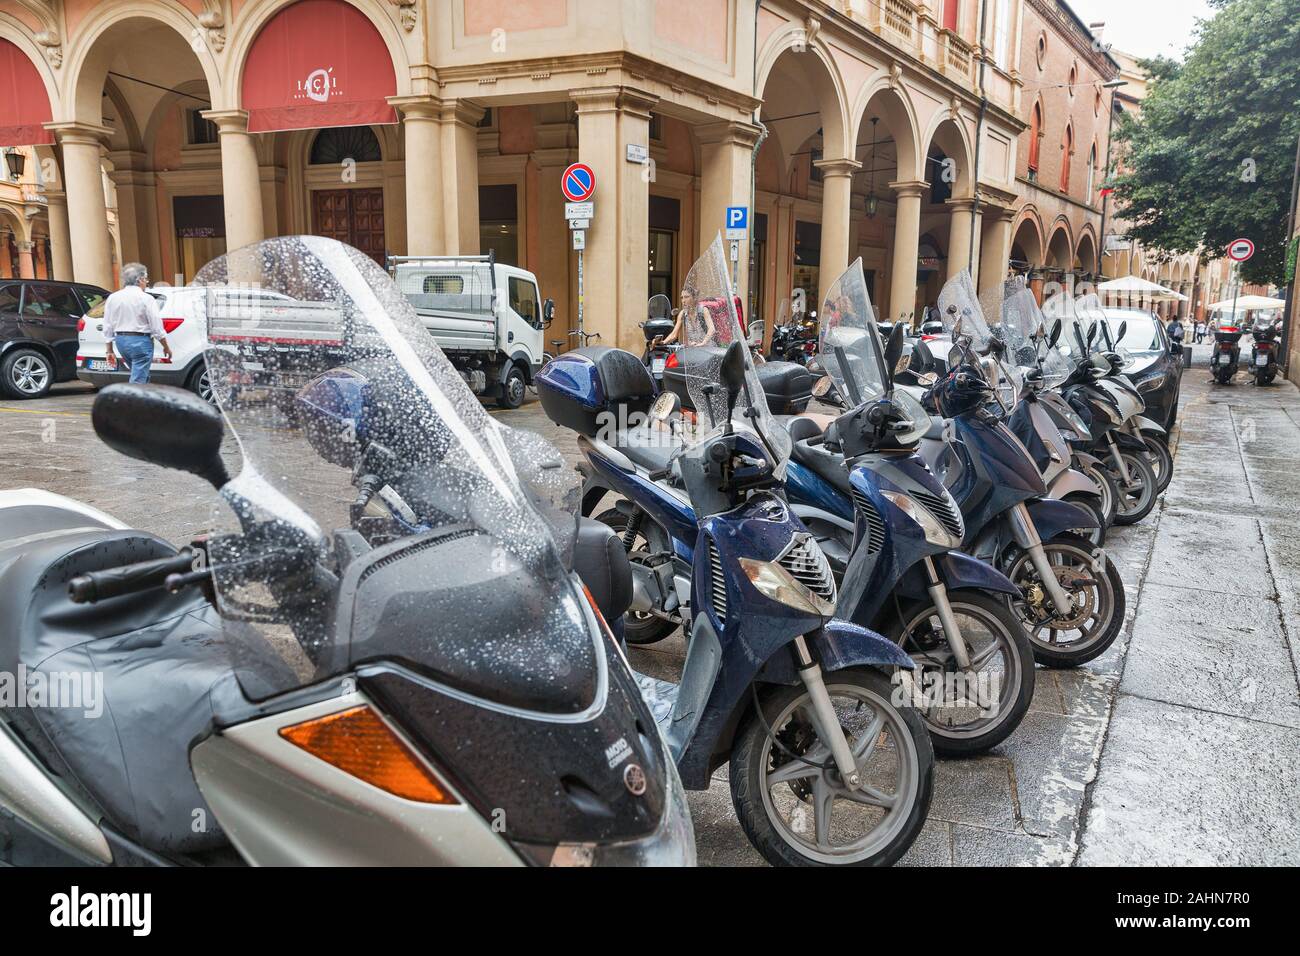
pixel 956 55
pixel 900 17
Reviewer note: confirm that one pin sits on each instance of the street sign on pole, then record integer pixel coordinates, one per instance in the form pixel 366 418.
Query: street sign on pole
pixel 737 222
pixel 579 240
pixel 579 210
pixel 1239 250
pixel 579 224
pixel 578 183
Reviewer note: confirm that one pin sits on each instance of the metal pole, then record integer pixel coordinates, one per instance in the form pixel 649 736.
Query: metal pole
pixel 581 340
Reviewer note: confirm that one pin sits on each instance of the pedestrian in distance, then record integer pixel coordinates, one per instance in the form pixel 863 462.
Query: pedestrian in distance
pixel 132 323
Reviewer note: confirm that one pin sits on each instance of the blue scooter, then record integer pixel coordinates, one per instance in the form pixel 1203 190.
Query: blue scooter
pixel 904 575
pixel 1072 597
pixel 826 766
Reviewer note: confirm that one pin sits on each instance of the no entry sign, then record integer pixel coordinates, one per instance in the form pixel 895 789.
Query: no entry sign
pixel 578 182
pixel 1239 250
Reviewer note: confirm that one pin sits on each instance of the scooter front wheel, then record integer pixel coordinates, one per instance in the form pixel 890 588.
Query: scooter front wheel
pixel 792 803
pixel 1096 589
pixel 970 711
pixel 1138 497
pixel 1162 462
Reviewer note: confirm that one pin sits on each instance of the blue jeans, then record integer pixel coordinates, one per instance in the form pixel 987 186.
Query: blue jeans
pixel 137 352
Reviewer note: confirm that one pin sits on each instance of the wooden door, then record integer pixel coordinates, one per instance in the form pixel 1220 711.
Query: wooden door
pixel 354 216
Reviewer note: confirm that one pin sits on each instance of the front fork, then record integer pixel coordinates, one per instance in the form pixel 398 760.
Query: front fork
pixel 828 725
pixel 1026 535
pixel 943 608
pixel 1120 465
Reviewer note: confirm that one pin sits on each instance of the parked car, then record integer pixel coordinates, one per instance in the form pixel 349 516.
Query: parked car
pixel 182 309
pixel 1155 369
pixel 38 333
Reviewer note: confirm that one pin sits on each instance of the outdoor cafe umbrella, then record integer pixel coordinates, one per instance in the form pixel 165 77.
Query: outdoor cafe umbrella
pixel 1250 303
pixel 1137 287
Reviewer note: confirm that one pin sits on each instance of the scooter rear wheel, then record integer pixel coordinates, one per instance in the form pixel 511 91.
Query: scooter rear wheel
pixel 1135 502
pixel 797 814
pixel 1109 491
pixel 1162 463
pixel 639 627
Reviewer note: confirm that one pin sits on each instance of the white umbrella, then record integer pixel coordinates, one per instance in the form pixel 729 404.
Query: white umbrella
pixel 1136 286
pixel 1250 303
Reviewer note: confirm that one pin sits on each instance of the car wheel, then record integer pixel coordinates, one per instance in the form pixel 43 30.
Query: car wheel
pixel 26 373
pixel 200 383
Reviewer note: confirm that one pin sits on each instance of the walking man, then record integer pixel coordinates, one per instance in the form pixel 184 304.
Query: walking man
pixel 131 323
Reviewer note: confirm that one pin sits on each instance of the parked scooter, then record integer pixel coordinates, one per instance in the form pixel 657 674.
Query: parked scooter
pixel 1226 356
pixel 824 767
pixel 658 325
pixel 1073 596
pixel 302 687
pixel 905 576
pixel 793 338
pixel 1263 354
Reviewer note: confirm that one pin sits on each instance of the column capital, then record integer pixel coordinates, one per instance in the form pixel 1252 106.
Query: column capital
pixel 26 245
pixel 55 197
pixel 837 168
pixel 461 113
pixel 964 204
pixel 731 132
pixel 416 107
pixel 612 99
pixel 996 213
pixel 910 188
pixel 84 134
pixel 228 121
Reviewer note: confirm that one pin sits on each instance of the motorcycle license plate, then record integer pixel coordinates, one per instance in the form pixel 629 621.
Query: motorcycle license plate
pixel 1261 359
pixel 657 366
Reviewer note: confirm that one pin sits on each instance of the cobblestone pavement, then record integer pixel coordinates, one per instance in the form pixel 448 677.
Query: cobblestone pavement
pixel 1180 745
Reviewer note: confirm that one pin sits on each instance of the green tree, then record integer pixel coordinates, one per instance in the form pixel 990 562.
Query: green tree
pixel 1210 156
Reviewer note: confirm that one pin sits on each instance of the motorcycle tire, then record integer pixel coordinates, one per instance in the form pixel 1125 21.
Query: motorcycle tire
pixel 1162 462
pixel 1131 510
pixel 757 799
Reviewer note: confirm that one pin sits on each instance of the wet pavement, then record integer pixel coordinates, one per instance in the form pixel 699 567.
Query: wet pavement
pixel 1179 745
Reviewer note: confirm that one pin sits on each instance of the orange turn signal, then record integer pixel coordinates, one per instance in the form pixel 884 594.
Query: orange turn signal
pixel 359 743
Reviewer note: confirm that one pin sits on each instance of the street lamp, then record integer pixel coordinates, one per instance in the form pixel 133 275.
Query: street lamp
pixel 17 162
pixel 1113 85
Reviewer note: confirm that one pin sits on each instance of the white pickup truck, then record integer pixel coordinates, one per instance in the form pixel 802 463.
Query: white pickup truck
pixel 486 316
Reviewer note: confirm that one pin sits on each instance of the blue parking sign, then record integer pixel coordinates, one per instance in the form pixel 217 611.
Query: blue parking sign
pixel 737 222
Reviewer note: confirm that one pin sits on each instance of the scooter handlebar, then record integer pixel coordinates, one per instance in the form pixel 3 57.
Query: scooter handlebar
pixel 128 579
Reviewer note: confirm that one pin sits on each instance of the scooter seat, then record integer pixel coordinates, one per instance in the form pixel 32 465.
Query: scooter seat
pixel 825 464
pixel 650 448
pixel 137 675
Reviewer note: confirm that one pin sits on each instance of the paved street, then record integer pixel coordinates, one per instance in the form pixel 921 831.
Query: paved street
pixel 1181 745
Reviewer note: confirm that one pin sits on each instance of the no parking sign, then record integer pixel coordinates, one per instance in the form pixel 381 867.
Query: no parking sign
pixel 578 182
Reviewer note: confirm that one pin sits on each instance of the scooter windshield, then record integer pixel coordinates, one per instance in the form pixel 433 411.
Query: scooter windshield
pixel 1024 328
pixel 851 351
pixel 357 438
pixel 712 326
pixel 959 308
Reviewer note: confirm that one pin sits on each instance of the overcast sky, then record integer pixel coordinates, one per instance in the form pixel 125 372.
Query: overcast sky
pixel 1145 27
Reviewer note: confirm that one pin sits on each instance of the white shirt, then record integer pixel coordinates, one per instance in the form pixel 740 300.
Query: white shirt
pixel 132 310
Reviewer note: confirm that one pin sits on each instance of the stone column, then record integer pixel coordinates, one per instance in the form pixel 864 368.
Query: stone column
pixel 56 204
pixel 241 179
pixel 26 264
pixel 960 238
pixel 616 276
pixel 137 211
pixel 907 244
pixel 995 250
pixel 421 127
pixel 726 158
pixel 83 174
pixel 459 181
pixel 837 190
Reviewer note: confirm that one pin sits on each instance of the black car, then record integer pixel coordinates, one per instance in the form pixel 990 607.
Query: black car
pixel 38 333
pixel 1156 370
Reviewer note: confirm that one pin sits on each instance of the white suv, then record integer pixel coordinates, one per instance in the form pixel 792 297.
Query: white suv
pixel 182 311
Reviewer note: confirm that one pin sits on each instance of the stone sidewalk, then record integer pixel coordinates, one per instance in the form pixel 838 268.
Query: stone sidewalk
pixel 1181 744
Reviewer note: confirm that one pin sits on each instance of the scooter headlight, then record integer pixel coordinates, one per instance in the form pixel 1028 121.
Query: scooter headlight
pixel 773 581
pixel 935 532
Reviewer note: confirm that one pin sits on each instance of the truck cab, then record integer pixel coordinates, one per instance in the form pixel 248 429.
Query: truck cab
pixel 487 317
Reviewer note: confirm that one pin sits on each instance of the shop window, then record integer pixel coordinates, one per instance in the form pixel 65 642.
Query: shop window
pixel 662 243
pixel 498 222
pixel 200 223
pixel 807 261
pixel 340 143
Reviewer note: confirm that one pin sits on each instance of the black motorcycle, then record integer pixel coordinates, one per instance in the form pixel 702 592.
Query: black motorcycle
pixel 1227 353
pixel 1263 355
pixel 658 325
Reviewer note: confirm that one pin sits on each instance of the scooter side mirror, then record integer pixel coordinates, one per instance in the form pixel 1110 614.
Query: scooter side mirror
pixel 162 425
pixel 1055 335
pixel 1092 333
pixel 732 372
pixel 1123 327
pixel 893 350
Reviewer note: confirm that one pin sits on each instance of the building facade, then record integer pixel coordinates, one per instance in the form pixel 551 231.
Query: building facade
pixel 167 131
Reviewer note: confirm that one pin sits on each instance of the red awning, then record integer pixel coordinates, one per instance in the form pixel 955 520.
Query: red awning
pixel 318 63
pixel 24 107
